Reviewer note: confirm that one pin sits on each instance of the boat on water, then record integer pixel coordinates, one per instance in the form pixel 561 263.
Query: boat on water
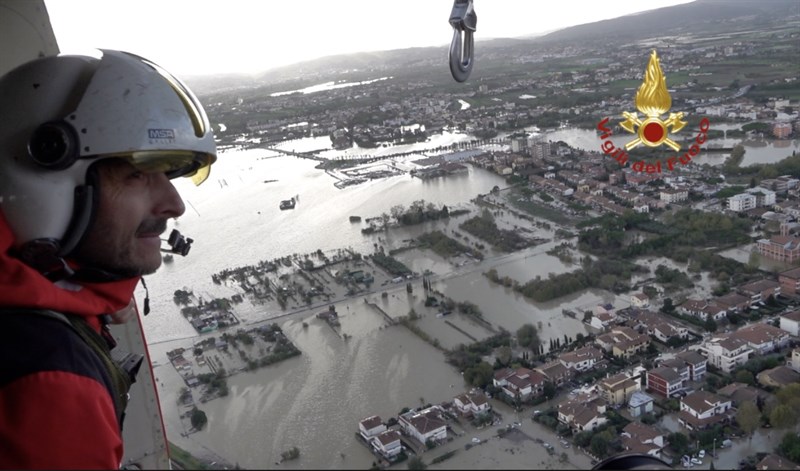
pixel 287 204
pixel 355 218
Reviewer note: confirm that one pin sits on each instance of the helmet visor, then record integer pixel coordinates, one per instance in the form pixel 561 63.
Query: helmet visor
pixel 173 164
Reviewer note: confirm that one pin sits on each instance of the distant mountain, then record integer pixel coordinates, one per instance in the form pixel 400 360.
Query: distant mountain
pixel 705 16
pixel 699 17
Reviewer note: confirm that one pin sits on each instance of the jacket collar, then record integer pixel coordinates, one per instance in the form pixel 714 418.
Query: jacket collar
pixel 22 286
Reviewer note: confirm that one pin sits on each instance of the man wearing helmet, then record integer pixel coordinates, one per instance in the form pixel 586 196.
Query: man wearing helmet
pixel 88 146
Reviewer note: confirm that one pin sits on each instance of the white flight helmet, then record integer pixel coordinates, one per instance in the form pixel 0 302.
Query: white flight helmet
pixel 60 114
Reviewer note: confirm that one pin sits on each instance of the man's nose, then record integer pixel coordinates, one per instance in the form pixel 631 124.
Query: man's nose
pixel 169 203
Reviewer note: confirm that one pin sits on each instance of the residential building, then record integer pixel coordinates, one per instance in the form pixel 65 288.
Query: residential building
pixel 696 362
pixel 726 353
pixel 519 384
pixel 702 310
pixel 742 202
pixel 640 438
pixel 583 412
pixel 794 362
pixel 790 282
pixel 664 381
pixel 371 427
pixel 555 372
pixel 602 321
pixel 701 409
pixel 674 195
pixel 664 331
pixel 778 377
pixel 782 130
pixel 790 322
pixel 733 302
pixel 617 389
pixel 623 342
pixel 774 462
pixel 677 366
pixel 640 403
pixel 581 359
pixel 617 334
pixel 387 444
pixel 640 300
pixel 471 403
pixel 783 248
pixel 739 393
pixel 764 197
pixel 762 338
pixel 761 290
pixel 658 326
pixel 603 317
pixel 424 425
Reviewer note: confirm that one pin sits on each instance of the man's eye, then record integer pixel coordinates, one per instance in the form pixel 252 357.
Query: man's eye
pixel 136 175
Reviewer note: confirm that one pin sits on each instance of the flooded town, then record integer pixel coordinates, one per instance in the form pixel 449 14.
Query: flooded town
pixel 512 285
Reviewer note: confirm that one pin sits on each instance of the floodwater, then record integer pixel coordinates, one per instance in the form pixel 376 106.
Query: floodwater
pixel 728 458
pixel 315 401
pixel 235 221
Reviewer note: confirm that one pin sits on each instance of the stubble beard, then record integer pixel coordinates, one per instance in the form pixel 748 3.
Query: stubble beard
pixel 115 252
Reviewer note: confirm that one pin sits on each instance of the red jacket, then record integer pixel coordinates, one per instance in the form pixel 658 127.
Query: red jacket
pixel 56 411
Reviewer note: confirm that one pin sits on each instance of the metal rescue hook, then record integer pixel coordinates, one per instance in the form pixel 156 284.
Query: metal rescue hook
pixel 462 19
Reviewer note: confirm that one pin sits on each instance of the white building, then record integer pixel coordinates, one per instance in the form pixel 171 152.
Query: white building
pixel 794 363
pixel 582 359
pixel 388 443
pixel 472 403
pixel 674 195
pixel 763 196
pixel 701 409
pixel 742 202
pixel 762 338
pixel 790 322
pixel 640 300
pixel 371 427
pixel 726 353
pixel 424 425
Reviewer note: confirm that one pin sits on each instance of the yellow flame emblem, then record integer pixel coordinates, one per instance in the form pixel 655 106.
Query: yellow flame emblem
pixel 653 100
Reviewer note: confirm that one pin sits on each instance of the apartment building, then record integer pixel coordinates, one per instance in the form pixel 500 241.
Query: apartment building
pixel 726 353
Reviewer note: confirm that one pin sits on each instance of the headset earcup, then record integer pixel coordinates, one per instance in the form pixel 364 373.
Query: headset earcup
pixel 54 145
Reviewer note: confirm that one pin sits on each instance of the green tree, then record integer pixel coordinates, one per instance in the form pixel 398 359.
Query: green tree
pixel 748 417
pixel 790 446
pixel 668 307
pixel 198 418
pixel 679 443
pixel 783 416
pixel 599 445
pixel 549 390
pixel 746 377
pixel 415 462
pixel 786 413
pixel 479 375
pixel 710 324
pixel 503 355
pixel 528 337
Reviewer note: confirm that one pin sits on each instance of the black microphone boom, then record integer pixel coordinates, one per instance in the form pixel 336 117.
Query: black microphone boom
pixel 178 243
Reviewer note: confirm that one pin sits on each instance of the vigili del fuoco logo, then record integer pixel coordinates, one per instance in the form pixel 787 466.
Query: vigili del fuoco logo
pixel 652 100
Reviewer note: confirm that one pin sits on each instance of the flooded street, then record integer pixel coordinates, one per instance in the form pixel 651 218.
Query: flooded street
pixel 315 401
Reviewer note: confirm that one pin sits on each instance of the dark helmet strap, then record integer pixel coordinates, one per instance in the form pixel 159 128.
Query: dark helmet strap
pixel 83 212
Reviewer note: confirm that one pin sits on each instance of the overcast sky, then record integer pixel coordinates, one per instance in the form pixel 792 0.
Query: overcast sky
pixel 191 37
